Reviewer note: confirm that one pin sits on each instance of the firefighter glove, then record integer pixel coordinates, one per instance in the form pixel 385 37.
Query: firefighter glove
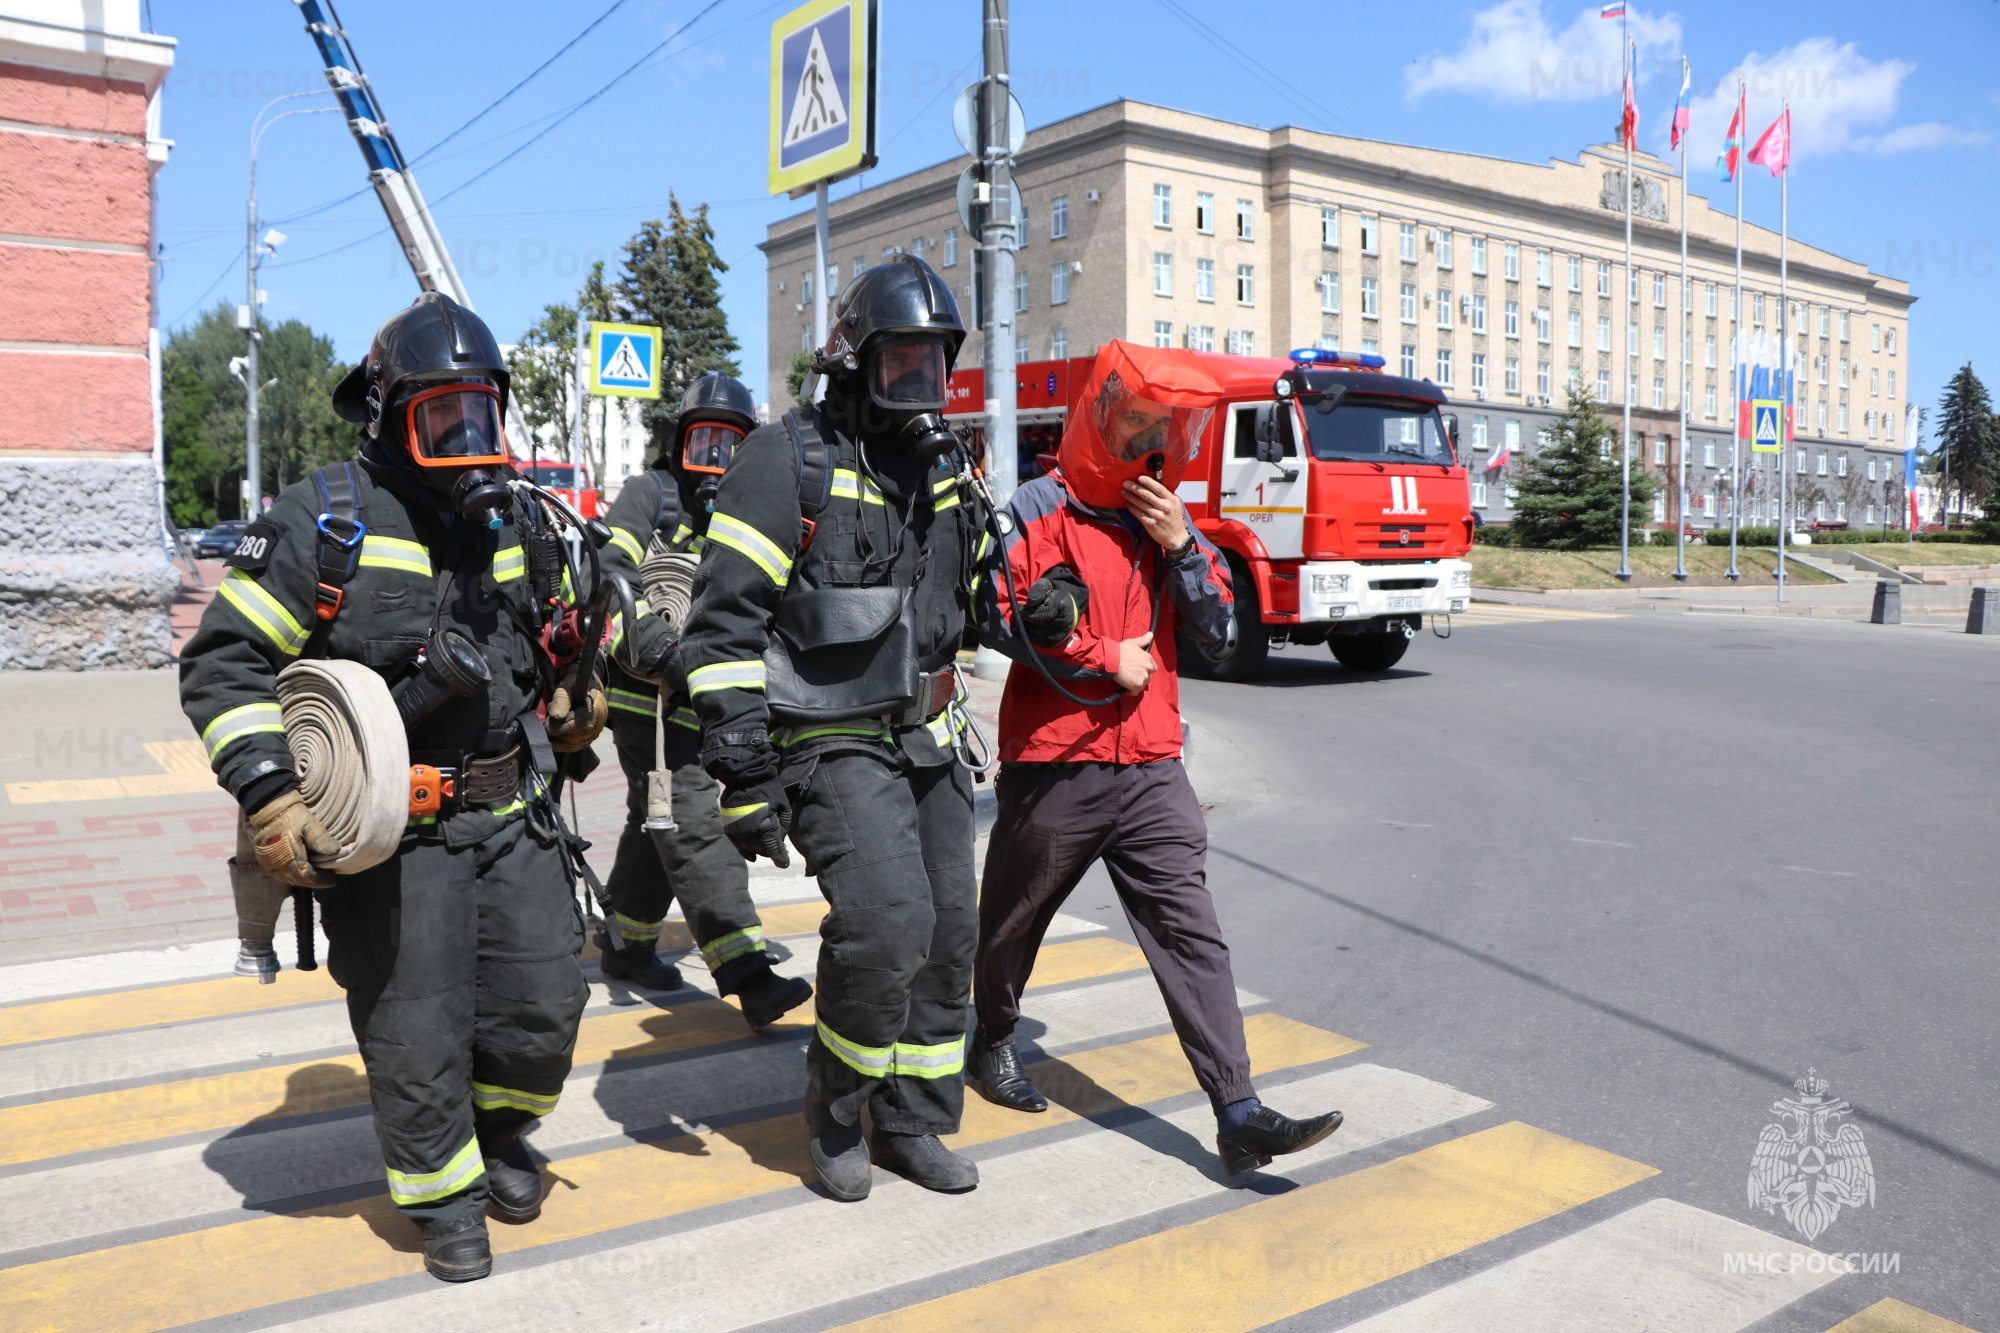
pixel 1055 607
pixel 571 728
pixel 288 837
pixel 755 818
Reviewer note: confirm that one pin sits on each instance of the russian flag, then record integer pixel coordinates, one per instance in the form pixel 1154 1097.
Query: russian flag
pixel 1681 105
pixel 1500 455
pixel 1910 480
pixel 1614 10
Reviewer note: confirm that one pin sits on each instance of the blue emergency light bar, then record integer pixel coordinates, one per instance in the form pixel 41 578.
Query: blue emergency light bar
pixel 1324 356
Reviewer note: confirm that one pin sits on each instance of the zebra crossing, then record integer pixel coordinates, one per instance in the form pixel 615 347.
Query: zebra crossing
pixel 1493 613
pixel 196 1149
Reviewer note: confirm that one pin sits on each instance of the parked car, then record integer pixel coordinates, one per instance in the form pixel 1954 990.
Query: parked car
pixel 220 540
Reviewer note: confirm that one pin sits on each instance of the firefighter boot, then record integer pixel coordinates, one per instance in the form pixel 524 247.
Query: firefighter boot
pixel 921 1158
pixel 513 1185
pixel 636 964
pixel 767 997
pixel 1264 1134
pixel 457 1253
pixel 839 1153
pixel 997 1076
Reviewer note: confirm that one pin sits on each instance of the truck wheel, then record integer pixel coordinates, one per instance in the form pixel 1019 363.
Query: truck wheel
pixel 1369 652
pixel 1240 655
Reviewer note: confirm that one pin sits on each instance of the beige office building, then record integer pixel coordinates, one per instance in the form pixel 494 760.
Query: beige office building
pixel 1502 281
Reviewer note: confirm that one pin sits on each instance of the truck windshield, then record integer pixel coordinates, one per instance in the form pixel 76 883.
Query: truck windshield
pixel 544 474
pixel 1370 429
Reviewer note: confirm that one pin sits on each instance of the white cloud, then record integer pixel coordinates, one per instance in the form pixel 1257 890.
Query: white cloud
pixel 1841 102
pixel 1513 55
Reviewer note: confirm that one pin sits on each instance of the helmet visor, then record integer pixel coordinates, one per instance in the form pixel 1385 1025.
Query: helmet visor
pixel 708 447
pixel 456 425
pixel 909 374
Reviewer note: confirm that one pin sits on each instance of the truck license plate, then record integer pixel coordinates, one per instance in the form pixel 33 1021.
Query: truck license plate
pixel 1406 603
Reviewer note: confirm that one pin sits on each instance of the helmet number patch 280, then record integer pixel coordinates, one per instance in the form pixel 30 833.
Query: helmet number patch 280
pixel 254 547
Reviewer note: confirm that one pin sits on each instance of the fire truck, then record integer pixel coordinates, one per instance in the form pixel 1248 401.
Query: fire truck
pixel 1333 488
pixel 554 474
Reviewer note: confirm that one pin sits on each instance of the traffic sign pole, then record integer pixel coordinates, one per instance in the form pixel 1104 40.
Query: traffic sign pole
pixel 582 393
pixel 997 244
pixel 820 294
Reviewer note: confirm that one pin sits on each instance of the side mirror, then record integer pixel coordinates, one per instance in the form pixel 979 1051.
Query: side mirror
pixel 1270 447
pixel 1451 428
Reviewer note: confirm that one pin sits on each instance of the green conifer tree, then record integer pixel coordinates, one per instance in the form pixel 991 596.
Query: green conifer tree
pixel 1966 440
pixel 672 278
pixel 1567 490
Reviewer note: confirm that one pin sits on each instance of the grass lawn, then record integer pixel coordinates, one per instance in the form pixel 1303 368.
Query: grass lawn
pixel 1894 554
pixel 1652 567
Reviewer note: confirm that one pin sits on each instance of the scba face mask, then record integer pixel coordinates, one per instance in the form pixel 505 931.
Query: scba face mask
pixel 908 378
pixel 706 450
pixel 453 432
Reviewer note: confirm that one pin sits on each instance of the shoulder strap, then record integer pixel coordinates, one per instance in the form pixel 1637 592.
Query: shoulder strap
pixel 667 504
pixel 342 524
pixel 815 470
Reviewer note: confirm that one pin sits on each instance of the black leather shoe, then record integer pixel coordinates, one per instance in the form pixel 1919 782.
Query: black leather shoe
pixel 636 965
pixel 458 1255
pixel 995 1073
pixel 513 1185
pixel 839 1154
pixel 767 997
pixel 1265 1134
pixel 921 1158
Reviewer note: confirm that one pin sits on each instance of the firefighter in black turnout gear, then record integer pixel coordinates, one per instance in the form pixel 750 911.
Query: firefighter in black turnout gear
pixel 458 953
pixel 828 611
pixel 658 526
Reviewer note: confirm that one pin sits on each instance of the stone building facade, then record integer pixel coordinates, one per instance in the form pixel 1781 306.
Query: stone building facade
pixel 1499 280
pixel 84 575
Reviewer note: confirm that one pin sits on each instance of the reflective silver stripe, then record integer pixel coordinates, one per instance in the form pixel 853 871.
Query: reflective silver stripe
pixel 928 1061
pixel 629 544
pixel 752 545
pixel 464 1168
pixel 681 533
pixel 489 1098
pixel 684 717
pixel 237 723
pixel 395 553
pixel 733 945
pixel 264 611
pixel 870 1060
pixel 630 701
pixel 945 725
pixel 631 929
pixel 509 563
pixel 727 676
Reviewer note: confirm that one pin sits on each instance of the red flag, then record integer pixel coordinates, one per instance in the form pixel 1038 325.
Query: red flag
pixel 1774 146
pixel 1729 161
pixel 1628 122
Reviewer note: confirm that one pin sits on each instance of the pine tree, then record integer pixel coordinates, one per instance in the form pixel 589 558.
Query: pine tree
pixel 1966 438
pixel 672 278
pixel 1568 489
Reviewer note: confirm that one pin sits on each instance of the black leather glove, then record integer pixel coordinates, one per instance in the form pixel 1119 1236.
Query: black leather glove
pixel 755 819
pixel 1055 607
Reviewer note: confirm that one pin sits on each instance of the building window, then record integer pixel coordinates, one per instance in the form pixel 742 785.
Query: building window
pixel 1892 384
pixel 1659 392
pixel 1201 337
pixel 1819 415
pixel 950 247
pixel 1163 274
pixel 1541 268
pixel 1443 248
pixel 1479 495
pixel 1479 374
pixel 1511 370
pixel 1801 461
pixel 1659 448
pixel 1246 220
pixel 1709 300
pixel 1573 380
pixel 1511 319
pixel 1542 379
pixel 1825 315
pixel 1204 279
pixel 1242 342
pixel 1327 342
pixel 1874 337
pixel 1371 347
pixel 1840 466
pixel 1407 362
pixel 1632 285
pixel 1843 372
pixel 1604 333
pixel 1329 228
pixel 1479 433
pixel 805 287
pixel 1708 401
pixel 1871 468
pixel 1889 427
pixel 1408 302
pixel 1511 433
pixel 1163 333
pixel 1871 424
pixel 1889 342
pixel 1631 388
pixel 1874 381
pixel 1603 278
pixel 1576 328
pixel 1204 212
pixel 1059 284
pixel 1757 309
pixel 1659 508
pixel 1329 292
pixel 1659 342
pixel 1246 284
pixel 1843 325
pixel 1510 261
pixel 1479 314
pixel 1708 354
pixel 1477 247
pixel 1023 349
pixel 1660 291
pixel 1371 298
pixel 1371 233
pixel 1843 418
pixel 1575 267
pixel 1020 291
pixel 1542 324
pixel 1059 344
pixel 1059 217
pixel 1163 205
pixel 1603 386
pixel 1406 241
pixel 1444 307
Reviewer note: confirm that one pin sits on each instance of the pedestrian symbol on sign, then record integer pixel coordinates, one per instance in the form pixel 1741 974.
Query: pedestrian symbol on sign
pixel 817 106
pixel 621 365
pixel 1766 425
pixel 625 360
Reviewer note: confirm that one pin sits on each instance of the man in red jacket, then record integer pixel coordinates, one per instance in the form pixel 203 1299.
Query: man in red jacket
pixel 1090 744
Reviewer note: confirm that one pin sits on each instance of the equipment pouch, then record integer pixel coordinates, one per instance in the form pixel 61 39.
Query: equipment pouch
pixel 842 653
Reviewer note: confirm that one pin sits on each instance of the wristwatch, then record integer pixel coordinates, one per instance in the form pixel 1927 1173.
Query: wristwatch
pixel 1180 552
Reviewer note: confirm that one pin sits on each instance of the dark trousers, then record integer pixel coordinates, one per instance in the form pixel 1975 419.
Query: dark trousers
pixel 464 994
pixel 1145 823
pixel 892 847
pixel 694 864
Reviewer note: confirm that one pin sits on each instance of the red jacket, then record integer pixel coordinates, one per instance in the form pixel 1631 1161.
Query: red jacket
pixel 1122 567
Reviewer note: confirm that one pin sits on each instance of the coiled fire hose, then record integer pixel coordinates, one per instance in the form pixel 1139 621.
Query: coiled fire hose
pixel 668 580
pixel 353 761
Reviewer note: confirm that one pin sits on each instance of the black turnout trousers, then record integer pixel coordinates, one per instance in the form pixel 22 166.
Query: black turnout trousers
pixel 1145 823
pixel 458 956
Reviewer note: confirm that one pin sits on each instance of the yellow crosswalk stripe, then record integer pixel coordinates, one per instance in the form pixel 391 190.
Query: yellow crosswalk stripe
pixel 1281 1256
pixel 162 1110
pixel 173 1280
pixel 1892 1316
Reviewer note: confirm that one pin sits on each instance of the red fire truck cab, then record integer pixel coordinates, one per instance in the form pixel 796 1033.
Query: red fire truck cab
pixel 1334 489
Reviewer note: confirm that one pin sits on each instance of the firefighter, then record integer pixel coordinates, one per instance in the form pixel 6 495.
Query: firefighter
pixel 458 954
pixel 828 611
pixel 666 509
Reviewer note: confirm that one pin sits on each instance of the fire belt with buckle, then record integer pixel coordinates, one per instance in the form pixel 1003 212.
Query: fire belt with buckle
pixel 935 691
pixel 444 782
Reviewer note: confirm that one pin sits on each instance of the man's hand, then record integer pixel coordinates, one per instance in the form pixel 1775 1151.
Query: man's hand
pixel 288 836
pixel 1055 606
pixel 1158 510
pixel 1136 664
pixel 571 729
pixel 755 818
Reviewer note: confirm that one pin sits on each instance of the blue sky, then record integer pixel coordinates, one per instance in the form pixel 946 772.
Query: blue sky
pixel 1898 127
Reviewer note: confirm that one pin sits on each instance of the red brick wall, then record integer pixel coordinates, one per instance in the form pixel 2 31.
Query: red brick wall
pixel 94 297
pixel 74 189
pixel 67 401
pixel 71 101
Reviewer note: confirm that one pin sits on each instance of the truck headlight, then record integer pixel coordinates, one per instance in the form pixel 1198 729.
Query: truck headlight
pixel 1461 578
pixel 1326 585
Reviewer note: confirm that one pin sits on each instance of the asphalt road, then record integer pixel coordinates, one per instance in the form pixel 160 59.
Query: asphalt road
pixel 1629 878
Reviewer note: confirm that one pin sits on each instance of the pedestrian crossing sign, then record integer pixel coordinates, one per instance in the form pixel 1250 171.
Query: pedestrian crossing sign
pixel 624 360
pixel 1767 432
pixel 822 93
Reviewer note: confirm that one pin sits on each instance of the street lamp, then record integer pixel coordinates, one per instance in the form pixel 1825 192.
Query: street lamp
pixel 246 315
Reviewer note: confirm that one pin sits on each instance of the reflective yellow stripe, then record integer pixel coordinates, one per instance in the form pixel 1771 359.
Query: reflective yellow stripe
pixel 264 611
pixel 684 717
pixel 629 544
pixel 237 723
pixel 727 676
pixel 508 808
pixel 732 813
pixel 630 701
pixel 395 553
pixel 945 726
pixel 753 546
pixel 928 1061
pixel 464 1168
pixel 644 931
pixel 509 563
pixel 949 502
pixel 869 731
pixel 847 486
pixel 870 1060
pixel 733 945
pixel 617 630
pixel 489 1098
pixel 681 533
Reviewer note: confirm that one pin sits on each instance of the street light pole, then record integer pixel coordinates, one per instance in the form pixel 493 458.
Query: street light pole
pixel 996 242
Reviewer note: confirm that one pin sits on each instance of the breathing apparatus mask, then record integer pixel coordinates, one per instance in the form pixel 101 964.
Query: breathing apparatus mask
pixel 907 378
pixel 706 448
pixel 452 433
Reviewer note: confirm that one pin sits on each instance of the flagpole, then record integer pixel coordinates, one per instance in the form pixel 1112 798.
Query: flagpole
pixel 1784 346
pixel 1625 368
pixel 1687 349
pixel 1735 357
